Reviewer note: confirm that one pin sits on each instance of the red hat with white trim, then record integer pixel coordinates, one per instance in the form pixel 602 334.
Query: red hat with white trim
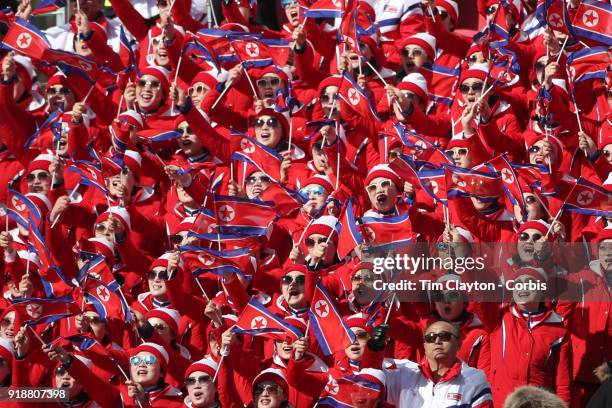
pixel 170 316
pixel 321 180
pixel 163 261
pixel 532 138
pixel 158 351
pixel 40 162
pixel 383 170
pixel 206 78
pixel 186 224
pixel 416 84
pixel 132 118
pixel 273 375
pixel 426 41
pixel 158 72
pixel 602 235
pixel 326 225
pixel 335 80
pixel 58 79
pixel 537 225
pixel 359 321
pixel 117 212
pixel 99 245
pixel 273 69
pixel 536 273
pixel 206 365
pixel 478 71
pixel 41 202
pixel 375 376
pixel 451 8
pixel 25 70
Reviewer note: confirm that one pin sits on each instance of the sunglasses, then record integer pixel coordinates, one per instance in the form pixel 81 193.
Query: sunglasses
pixel 374 186
pixel 161 275
pixel 524 237
pixel 263 180
pixel 361 278
pixel 415 52
pixel 605 153
pixel 271 123
pixel 160 327
pixel 204 379
pixel 148 360
pixel 491 10
pixel 459 152
pixel 408 95
pixel 314 191
pixel 288 280
pixel 55 91
pixel 476 87
pixel 60 371
pixel 186 130
pixel 101 227
pixel 534 149
pixel 472 59
pixel 268 82
pixel 449 296
pixel 327 98
pixel 6 322
pixel 141 83
pixel 92 319
pixel 271 389
pixel 443 13
pixel 531 199
pixel 196 90
pixel 433 337
pixel 310 242
pixel 42 176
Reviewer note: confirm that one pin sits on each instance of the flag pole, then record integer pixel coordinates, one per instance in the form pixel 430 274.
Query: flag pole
pixel 390 307
pixel 178 66
pixel 250 80
pixel 227 87
pixel 70 197
pixel 36 334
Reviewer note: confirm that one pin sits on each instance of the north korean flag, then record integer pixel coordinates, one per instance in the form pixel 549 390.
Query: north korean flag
pixel 441 79
pixel 108 303
pixel 589 199
pixel 326 9
pixel 257 320
pixel 37 310
pixel 285 201
pixel 350 235
pixel 232 241
pixel 509 181
pixel 200 260
pixel 433 181
pixel 27 39
pixel 589 63
pixel 48 6
pixel 392 231
pixel 331 331
pixel 243 212
pixel 482 185
pixel 593 22
pixel 252 152
pixel 98 268
pixel 356 98
pixel 254 52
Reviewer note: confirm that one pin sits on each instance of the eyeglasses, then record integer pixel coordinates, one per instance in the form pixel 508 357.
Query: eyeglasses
pixel 362 278
pixel 310 242
pixel 530 199
pixel 433 337
pixel 263 180
pixel 288 280
pixel 141 83
pixel 374 186
pixel 448 296
pixel 314 191
pixel 125 171
pixel 524 237
pixel 605 153
pixel 271 389
pixel 148 360
pixel 415 52
pixel 327 98
pixel 408 95
pixel 64 90
pixel 6 322
pixel 203 379
pixel 161 275
pixel 361 335
pixel 462 151
pixel 539 66
pixel 491 10
pixel 101 227
pixel 476 87
pixel 92 319
pixel 443 13
pixel 268 82
pixel 198 89
pixel 534 149
pixel 42 176
pixel 270 122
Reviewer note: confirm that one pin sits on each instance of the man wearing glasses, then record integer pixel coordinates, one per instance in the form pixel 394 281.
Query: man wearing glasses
pixel 440 379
